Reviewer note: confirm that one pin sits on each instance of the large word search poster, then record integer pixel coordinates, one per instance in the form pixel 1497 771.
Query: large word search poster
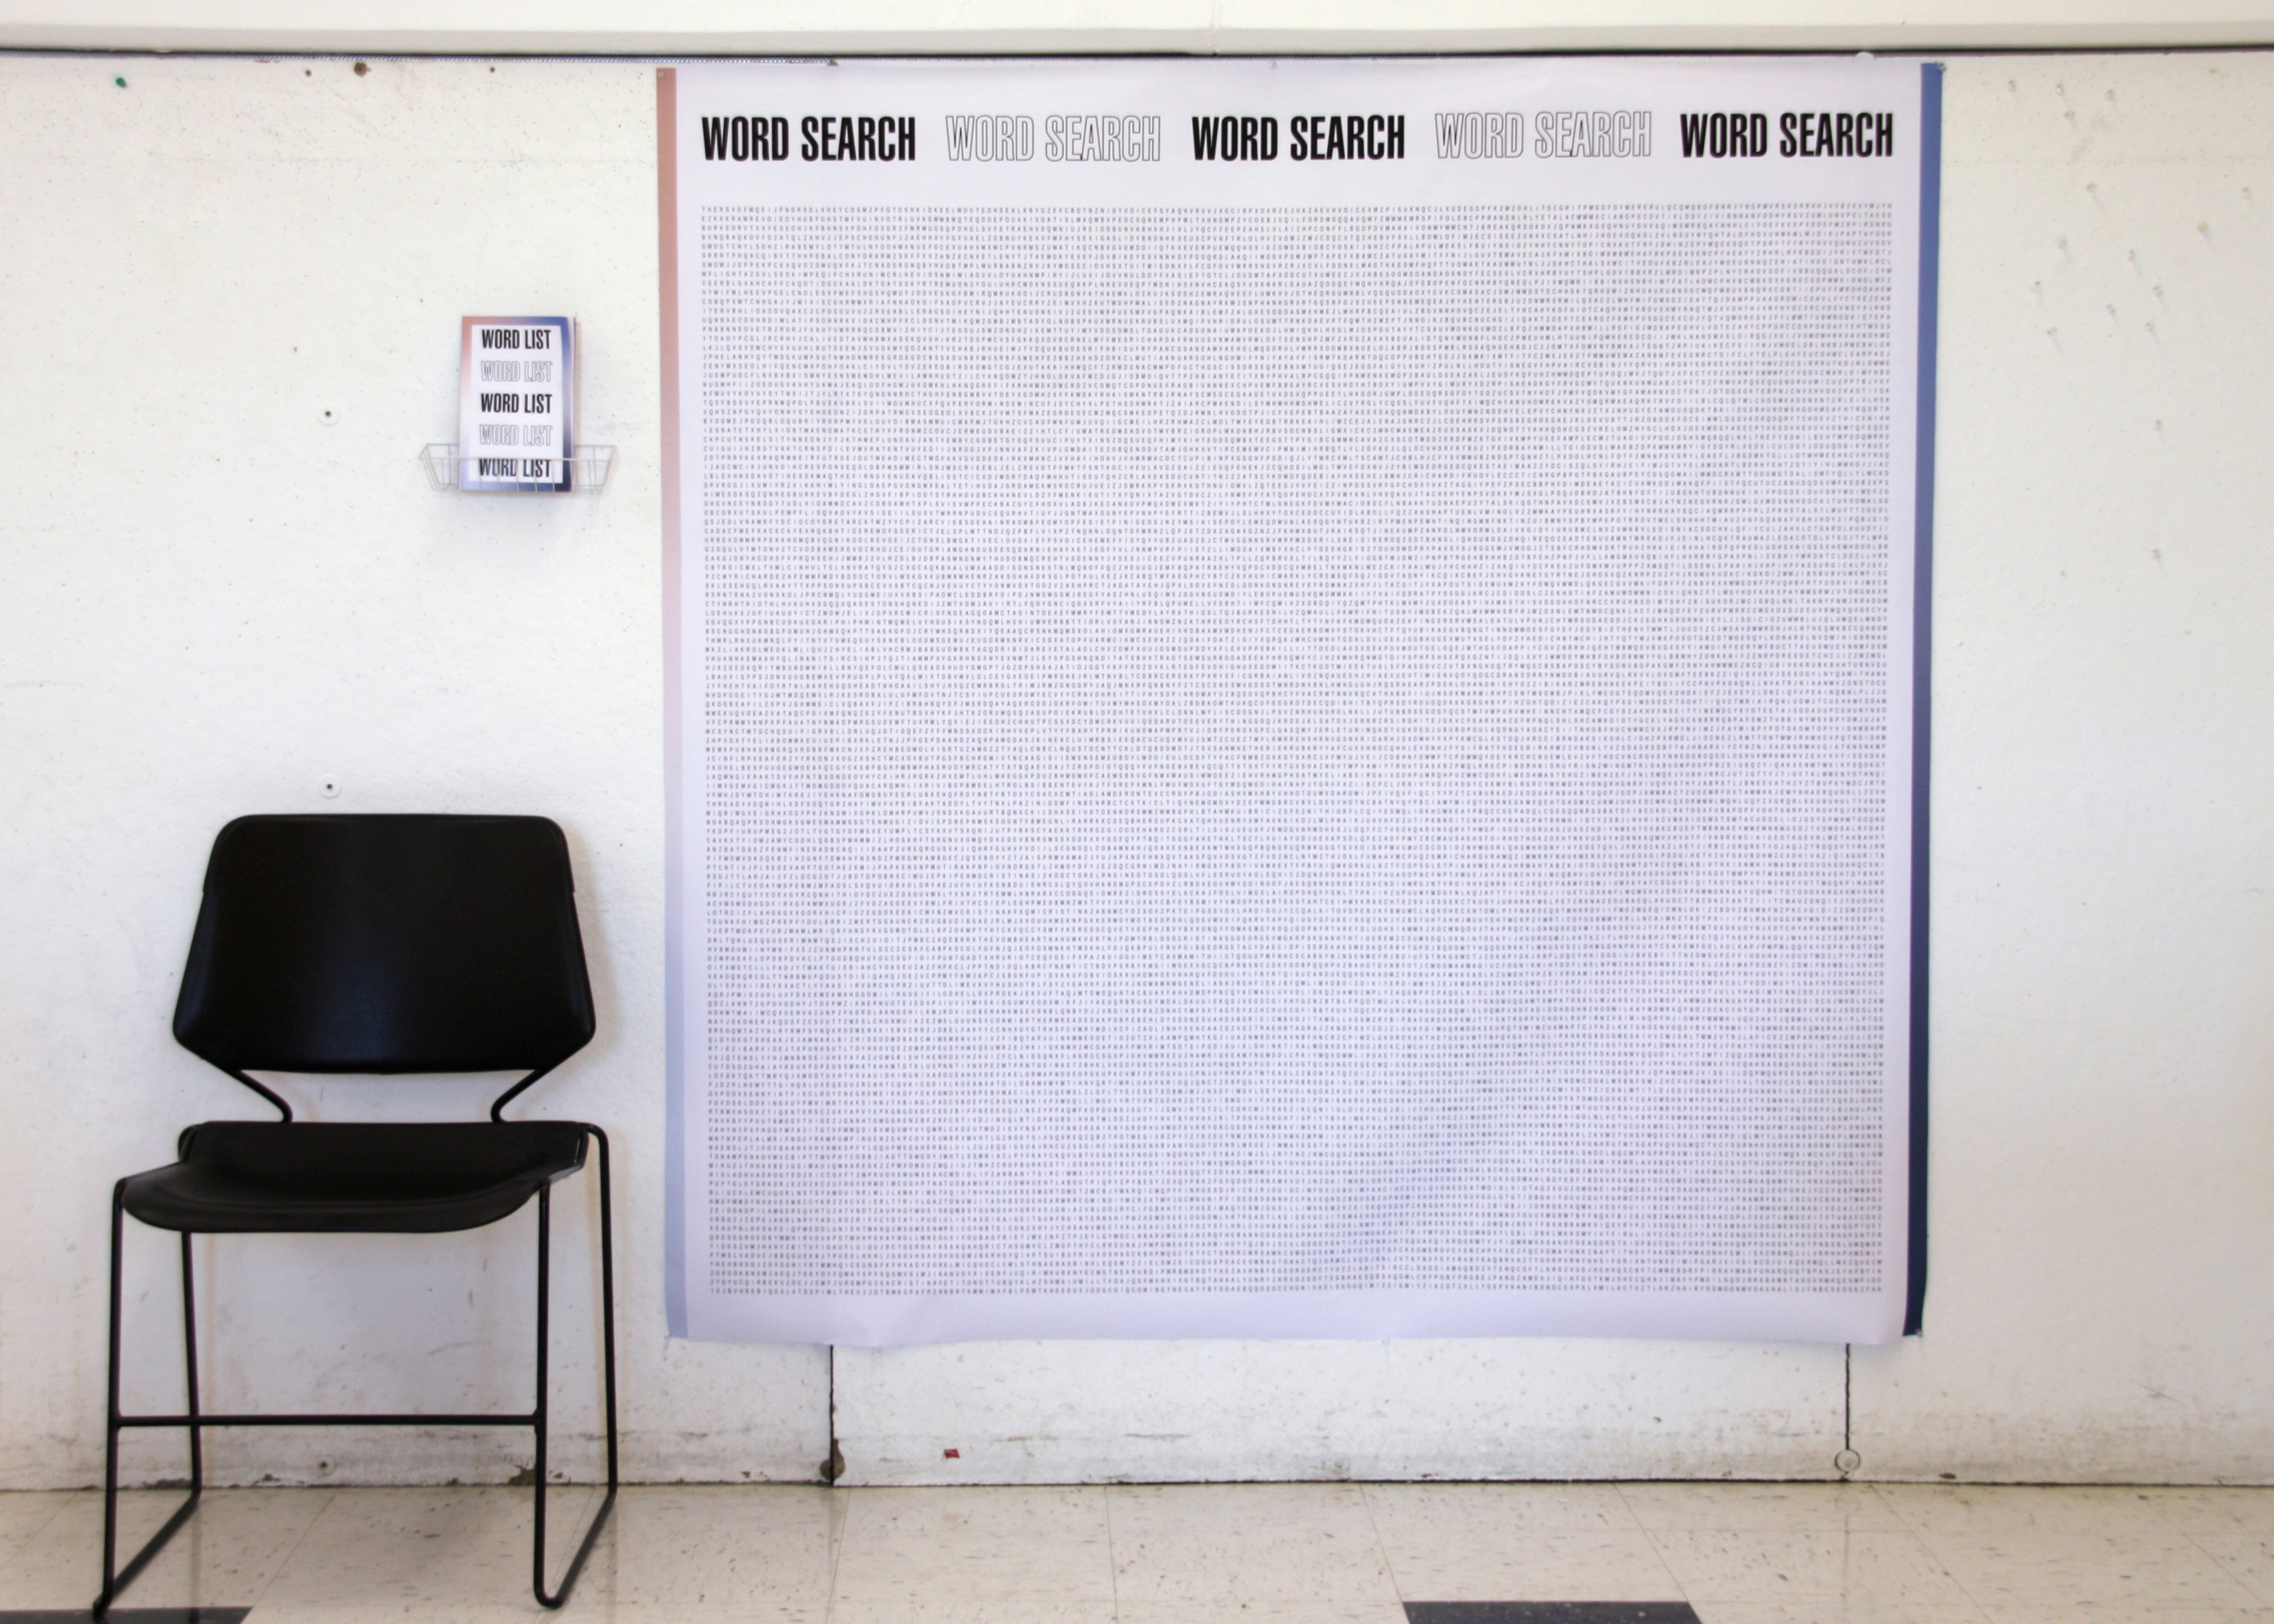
pixel 1297 696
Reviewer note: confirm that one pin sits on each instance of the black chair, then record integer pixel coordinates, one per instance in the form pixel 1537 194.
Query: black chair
pixel 383 944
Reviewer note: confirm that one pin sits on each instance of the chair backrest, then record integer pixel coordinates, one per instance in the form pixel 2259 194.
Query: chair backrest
pixel 387 944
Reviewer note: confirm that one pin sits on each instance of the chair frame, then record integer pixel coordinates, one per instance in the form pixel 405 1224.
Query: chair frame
pixel 194 1420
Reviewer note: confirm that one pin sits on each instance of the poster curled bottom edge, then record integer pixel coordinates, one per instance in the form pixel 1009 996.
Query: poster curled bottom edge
pixel 901 1321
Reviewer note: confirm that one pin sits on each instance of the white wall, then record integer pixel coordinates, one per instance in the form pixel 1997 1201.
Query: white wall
pixel 2102 1302
pixel 213 600
pixel 962 27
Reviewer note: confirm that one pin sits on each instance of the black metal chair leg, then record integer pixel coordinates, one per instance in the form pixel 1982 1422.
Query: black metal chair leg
pixel 190 1371
pixel 193 1420
pixel 543 1411
pixel 111 1429
pixel 607 1380
pixel 607 1311
pixel 114 1578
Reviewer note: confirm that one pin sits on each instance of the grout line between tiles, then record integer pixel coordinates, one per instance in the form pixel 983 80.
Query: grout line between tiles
pixel 1382 1545
pixel 1681 1589
pixel 841 1512
pixel 1927 1544
pixel 64 1502
pixel 1112 1561
pixel 331 1498
pixel 2211 1556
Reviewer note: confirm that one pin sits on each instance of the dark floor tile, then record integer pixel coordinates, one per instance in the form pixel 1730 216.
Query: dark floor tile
pixel 1549 1612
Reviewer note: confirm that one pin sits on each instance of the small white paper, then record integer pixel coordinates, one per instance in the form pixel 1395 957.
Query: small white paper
pixel 517 376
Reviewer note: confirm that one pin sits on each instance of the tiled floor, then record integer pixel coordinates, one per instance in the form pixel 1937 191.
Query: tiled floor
pixel 1261 1553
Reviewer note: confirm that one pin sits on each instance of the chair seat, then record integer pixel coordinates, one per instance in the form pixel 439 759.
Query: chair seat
pixel 408 1177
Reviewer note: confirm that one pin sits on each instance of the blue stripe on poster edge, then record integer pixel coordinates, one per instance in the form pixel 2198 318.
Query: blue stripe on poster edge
pixel 1922 650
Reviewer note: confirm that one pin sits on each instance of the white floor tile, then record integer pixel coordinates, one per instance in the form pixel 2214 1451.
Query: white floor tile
pixel 2052 1568
pixel 1777 1566
pixel 225 1555
pixel 1500 1542
pixel 1793 1507
pixel 974 1609
pixel 1617 1566
pixel 24 1518
pixel 2249 1558
pixel 1263 1611
pixel 1838 1610
pixel 2214 1511
pixel 1247 1543
pixel 1984 1512
pixel 25 1512
pixel 2093 1614
pixel 1269 1553
pixel 388 1554
pixel 756 1607
pixel 1494 1509
pixel 949 1547
pixel 737 1555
